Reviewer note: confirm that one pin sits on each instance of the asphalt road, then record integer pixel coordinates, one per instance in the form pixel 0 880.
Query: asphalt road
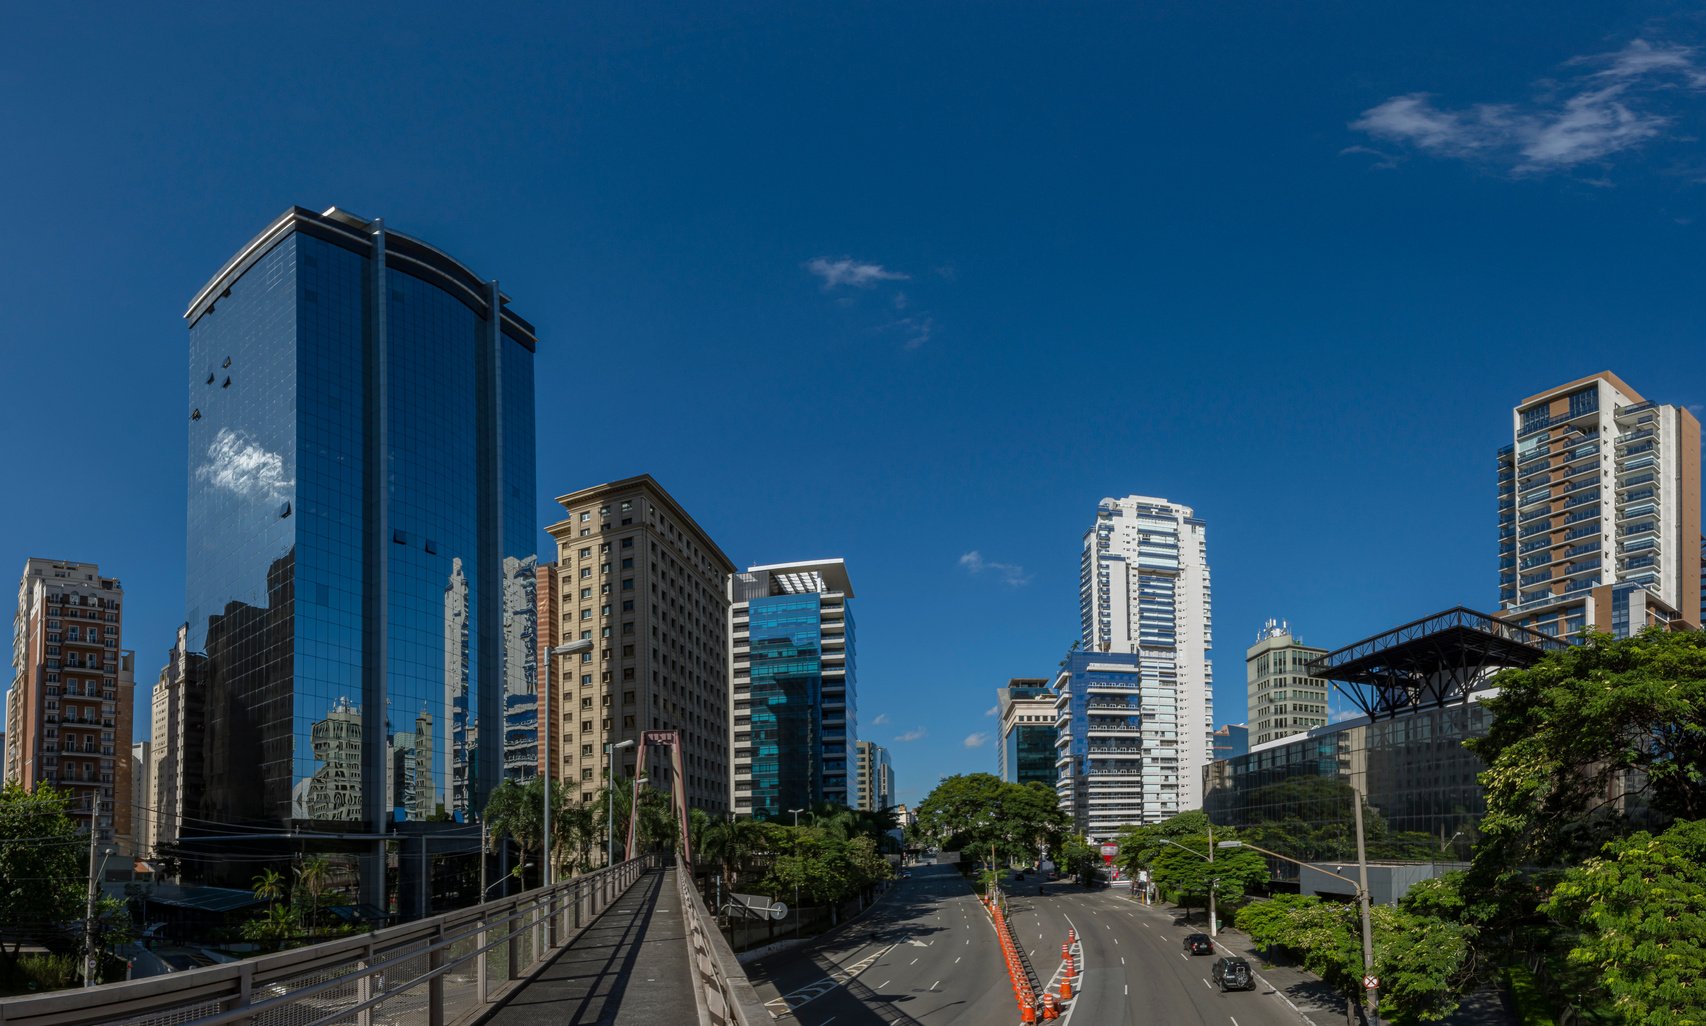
pixel 927 955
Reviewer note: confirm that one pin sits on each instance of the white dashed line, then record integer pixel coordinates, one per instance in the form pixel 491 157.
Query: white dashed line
pixel 913 962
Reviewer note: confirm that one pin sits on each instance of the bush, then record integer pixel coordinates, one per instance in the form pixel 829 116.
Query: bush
pixel 47 972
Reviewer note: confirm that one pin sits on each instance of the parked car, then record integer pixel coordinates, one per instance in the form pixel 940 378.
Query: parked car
pixel 1199 944
pixel 1232 973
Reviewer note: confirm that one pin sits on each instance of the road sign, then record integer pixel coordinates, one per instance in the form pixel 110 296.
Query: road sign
pixel 1371 982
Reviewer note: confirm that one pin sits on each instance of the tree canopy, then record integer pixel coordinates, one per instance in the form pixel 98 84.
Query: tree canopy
pixel 975 812
pixel 42 876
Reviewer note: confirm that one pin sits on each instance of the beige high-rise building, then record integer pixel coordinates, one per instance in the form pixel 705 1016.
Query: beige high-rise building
pixel 68 709
pixel 1283 698
pixel 179 723
pixel 1599 511
pixel 637 576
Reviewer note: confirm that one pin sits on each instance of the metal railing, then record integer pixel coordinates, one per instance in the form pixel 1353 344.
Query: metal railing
pixel 443 971
pixel 722 991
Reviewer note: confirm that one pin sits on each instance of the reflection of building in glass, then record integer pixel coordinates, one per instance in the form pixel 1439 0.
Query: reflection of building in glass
pixel 1283 698
pixel 795 687
pixel 1109 772
pixel 1144 591
pixel 521 702
pixel 1230 740
pixel 462 739
pixel 1599 511
pixel 1420 685
pixel 360 420
pixel 334 791
pixel 1026 708
pixel 412 792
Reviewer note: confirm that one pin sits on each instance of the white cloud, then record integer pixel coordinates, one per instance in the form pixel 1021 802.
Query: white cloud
pixel 848 271
pixel 1010 573
pixel 879 719
pixel 1348 714
pixel 915 734
pixel 1600 113
pixel 239 465
pixel 977 740
pixel 992 710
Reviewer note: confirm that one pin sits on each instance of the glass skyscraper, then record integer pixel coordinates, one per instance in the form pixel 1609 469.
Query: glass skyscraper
pixel 361 532
pixel 795 687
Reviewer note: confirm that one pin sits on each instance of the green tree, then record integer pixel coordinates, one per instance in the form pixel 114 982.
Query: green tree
pixel 312 879
pixel 1180 871
pixel 42 878
pixel 1269 922
pixel 1636 924
pixel 1586 738
pixel 1074 857
pixel 516 812
pixel 1139 845
pixel 975 812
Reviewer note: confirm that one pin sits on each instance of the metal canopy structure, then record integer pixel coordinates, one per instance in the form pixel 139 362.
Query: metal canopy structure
pixel 1433 661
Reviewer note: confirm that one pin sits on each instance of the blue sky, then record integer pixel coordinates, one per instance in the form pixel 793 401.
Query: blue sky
pixel 900 282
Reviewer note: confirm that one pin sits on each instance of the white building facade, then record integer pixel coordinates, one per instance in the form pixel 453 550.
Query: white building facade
pixel 1144 590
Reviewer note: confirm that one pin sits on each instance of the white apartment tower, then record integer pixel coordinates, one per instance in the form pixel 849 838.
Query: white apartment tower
pixel 1144 589
pixel 1599 511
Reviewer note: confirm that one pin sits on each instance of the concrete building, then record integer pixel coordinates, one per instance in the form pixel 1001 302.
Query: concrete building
pixel 1283 698
pixel 640 578
pixel 1144 591
pixel 795 686
pixel 873 777
pixel 1026 752
pixel 69 706
pixel 1109 770
pixel 179 720
pixel 142 796
pixel 361 546
pixel 1599 511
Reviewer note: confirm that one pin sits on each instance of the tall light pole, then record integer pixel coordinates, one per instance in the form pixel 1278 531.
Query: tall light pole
pixel 1212 882
pixel 610 798
pixel 547 733
pixel 797 911
pixel 90 966
pixel 1361 886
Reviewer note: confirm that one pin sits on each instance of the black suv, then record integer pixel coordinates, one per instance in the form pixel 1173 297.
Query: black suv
pixel 1232 973
pixel 1199 944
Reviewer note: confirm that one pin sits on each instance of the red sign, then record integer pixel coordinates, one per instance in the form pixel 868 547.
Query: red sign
pixel 1371 982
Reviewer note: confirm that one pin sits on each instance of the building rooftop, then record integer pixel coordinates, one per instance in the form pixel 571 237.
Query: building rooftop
pixel 807 577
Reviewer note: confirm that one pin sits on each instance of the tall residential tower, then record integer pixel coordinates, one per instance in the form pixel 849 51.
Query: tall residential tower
pixel 638 576
pixel 795 686
pixel 1144 591
pixel 1599 511
pixel 1283 699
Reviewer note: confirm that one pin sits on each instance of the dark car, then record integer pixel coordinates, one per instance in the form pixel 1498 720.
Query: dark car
pixel 1232 973
pixel 1199 944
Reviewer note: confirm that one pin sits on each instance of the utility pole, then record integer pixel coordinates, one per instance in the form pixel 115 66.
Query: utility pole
pixel 89 967
pixel 484 851
pixel 1362 899
pixel 1213 922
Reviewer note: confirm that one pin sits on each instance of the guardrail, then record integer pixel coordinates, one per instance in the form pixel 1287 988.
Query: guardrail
pixel 725 995
pixel 443 971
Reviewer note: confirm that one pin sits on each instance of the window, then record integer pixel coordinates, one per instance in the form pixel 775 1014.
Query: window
pixel 586 614
pixel 586 593
pixel 585 516
pixel 627 506
pixel 586 678
pixel 586 774
pixel 628 564
pixel 586 553
pixel 628 584
pixel 627 543
pixel 604 511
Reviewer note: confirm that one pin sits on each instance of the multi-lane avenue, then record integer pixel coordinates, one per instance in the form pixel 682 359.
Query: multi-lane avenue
pixel 927 954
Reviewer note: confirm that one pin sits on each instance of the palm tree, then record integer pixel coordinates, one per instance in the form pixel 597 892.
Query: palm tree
pixel 269 885
pixel 312 876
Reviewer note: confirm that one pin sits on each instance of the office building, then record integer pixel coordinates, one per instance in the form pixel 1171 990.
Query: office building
pixel 1283 698
pixel 179 721
pixel 638 576
pixel 1231 741
pixel 1144 591
pixel 795 686
pixel 360 541
pixel 1418 688
pixel 1026 752
pixel 1599 511
pixel 69 706
pixel 873 777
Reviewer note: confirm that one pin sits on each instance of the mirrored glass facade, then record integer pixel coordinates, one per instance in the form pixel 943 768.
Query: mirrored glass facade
pixel 360 532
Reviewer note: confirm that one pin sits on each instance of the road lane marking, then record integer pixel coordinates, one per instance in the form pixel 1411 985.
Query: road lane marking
pixel 956 960
pixel 882 985
pixel 913 962
pixel 1122 960
pixel 1234 1021
pixel 938 983
pixel 836 977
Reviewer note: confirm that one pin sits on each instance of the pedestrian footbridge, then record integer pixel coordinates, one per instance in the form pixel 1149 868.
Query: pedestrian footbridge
pixel 629 944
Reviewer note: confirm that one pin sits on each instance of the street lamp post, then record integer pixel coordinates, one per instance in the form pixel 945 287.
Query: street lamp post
pixel 610 798
pixel 796 813
pixel 1213 882
pixel 1362 900
pixel 90 960
pixel 547 733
